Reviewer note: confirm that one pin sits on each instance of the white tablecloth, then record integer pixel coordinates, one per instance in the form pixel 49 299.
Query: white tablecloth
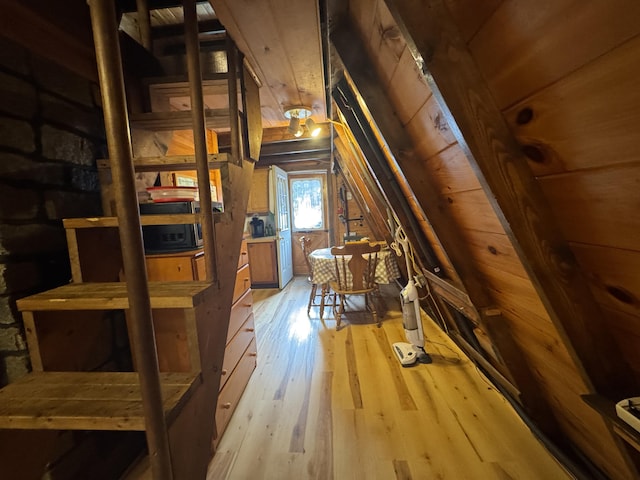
pixel 324 266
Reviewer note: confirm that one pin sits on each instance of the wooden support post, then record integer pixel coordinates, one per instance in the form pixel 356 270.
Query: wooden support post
pixel 232 78
pixel 144 23
pixel 252 112
pixel 501 167
pixel 192 44
pixel 116 121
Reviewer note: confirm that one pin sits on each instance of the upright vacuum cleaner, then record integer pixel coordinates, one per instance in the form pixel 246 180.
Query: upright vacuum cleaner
pixel 410 352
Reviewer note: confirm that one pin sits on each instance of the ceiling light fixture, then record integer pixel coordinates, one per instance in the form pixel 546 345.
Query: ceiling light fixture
pixel 313 127
pixel 295 114
pixel 295 128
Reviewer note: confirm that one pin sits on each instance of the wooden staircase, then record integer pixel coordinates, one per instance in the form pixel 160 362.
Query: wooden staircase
pixel 87 400
pixel 175 409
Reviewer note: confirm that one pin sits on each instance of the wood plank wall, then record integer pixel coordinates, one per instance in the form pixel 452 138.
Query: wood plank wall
pixel 566 82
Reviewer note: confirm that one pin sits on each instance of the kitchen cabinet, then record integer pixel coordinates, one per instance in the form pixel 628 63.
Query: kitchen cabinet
pixel 259 194
pixel 173 338
pixel 264 263
pixel 176 266
pixel 240 351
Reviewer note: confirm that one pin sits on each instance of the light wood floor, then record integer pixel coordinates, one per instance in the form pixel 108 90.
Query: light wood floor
pixel 323 404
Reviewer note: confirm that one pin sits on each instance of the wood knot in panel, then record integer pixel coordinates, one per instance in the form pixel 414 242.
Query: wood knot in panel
pixel 534 153
pixel 391 33
pixel 621 295
pixel 524 116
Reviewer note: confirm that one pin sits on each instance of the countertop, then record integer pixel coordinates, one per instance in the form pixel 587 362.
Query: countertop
pixel 250 239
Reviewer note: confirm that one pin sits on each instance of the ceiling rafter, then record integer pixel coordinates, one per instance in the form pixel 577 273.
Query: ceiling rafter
pixel 375 158
pixel 371 203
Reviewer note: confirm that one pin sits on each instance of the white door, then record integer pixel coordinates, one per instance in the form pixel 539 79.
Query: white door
pixel 283 226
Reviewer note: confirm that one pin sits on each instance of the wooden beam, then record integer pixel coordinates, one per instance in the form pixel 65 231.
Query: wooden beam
pixel 310 145
pixel 375 159
pixel 501 167
pixel 206 26
pixel 290 158
pixel 302 165
pixel 371 203
pixel 130 5
pixel 373 94
pixel 144 23
pixel 251 105
pixel 280 134
pixel 490 369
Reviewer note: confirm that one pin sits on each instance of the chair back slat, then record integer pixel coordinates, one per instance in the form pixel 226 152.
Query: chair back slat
pixel 356 266
pixel 305 242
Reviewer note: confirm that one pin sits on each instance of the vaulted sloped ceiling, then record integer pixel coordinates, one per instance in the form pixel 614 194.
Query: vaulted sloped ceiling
pixel 433 75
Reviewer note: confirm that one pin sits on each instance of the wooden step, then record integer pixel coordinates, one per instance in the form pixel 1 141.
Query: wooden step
pixel 111 222
pixel 113 296
pixel 180 120
pixel 87 400
pixel 178 85
pixel 171 162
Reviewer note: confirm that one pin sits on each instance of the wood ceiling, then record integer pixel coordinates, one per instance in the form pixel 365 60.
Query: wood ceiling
pixel 281 40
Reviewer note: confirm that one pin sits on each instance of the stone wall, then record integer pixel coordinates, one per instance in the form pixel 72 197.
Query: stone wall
pixel 51 133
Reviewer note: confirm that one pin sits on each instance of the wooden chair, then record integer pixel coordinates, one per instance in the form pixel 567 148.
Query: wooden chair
pixel 320 295
pixel 355 275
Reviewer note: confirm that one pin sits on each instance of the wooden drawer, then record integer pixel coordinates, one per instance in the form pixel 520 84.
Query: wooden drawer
pixel 232 391
pixel 243 259
pixel 243 282
pixel 239 313
pixel 176 266
pixel 236 348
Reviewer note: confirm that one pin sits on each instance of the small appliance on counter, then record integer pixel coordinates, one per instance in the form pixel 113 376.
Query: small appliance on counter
pixel 173 238
pixel 257 227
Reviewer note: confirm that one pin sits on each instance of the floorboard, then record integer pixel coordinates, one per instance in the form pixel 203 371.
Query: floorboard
pixel 327 404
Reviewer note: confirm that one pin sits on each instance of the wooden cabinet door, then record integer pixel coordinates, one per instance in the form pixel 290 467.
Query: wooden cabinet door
pixel 259 194
pixel 264 266
pixel 174 267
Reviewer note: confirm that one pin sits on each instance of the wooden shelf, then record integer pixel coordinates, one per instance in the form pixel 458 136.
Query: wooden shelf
pixel 178 85
pixel 107 222
pixel 179 120
pixel 207 79
pixel 171 162
pixel 87 400
pixel 607 408
pixel 113 295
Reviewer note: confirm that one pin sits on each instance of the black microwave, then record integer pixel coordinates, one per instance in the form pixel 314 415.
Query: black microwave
pixel 173 238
